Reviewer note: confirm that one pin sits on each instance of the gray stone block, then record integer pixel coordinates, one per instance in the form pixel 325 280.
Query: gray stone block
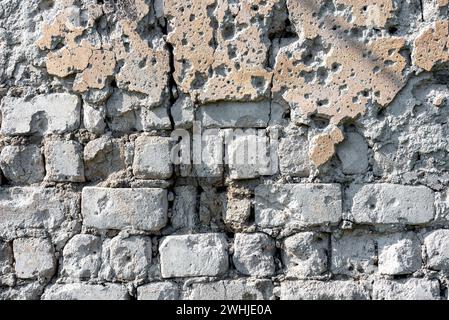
pixel 141 209
pixel 297 205
pixel 194 255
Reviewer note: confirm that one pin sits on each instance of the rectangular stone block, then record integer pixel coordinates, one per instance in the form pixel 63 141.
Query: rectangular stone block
pixel 142 209
pixel 34 258
pixel 22 164
pixel 184 211
pixel 297 205
pixel 194 255
pixel 152 158
pixel 249 153
pixel 125 259
pixel 392 204
pixel 241 289
pixel 64 162
pixel 82 257
pixel 437 249
pixel 399 254
pixel 235 114
pixel 354 254
pixel 305 254
pixel 128 112
pixel 353 154
pixel 254 254
pixel 43 208
pixel 82 291
pixel 208 157
pixel 294 153
pixel 158 291
pixel 323 290
pixel 52 113
pixel 408 289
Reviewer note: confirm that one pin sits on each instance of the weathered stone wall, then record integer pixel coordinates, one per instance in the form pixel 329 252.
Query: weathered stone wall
pixel 346 102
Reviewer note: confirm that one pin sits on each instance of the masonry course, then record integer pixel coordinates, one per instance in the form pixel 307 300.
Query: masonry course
pixel 347 102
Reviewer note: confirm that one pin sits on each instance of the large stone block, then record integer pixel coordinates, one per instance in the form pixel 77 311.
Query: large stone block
pixel 82 256
pixel 254 254
pixel 24 290
pixel 126 259
pixel 34 258
pixel 399 254
pixel 53 113
pixel 249 154
pixel 354 254
pixel 104 157
pixel 231 290
pixel 297 205
pixel 184 213
pixel 183 112
pixel 22 164
pixel 437 249
pixel 127 111
pixel 158 291
pixel 238 210
pixel 194 255
pixel 94 118
pixel 152 158
pixel 64 161
pixel 294 154
pixel 83 291
pixel 321 290
pixel 42 208
pixel 235 115
pixel 392 204
pixel 208 157
pixel 305 254
pixel 353 154
pixel 141 209
pixel 408 289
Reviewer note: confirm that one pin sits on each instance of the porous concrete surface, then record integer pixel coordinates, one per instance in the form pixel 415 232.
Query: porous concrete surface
pixel 352 97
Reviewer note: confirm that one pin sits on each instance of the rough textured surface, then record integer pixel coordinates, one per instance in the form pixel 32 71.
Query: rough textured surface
pixel 399 254
pixel 53 113
pixel 319 290
pixel 386 203
pixel 34 258
pixel 305 254
pixel 64 161
pixel 353 254
pixel 411 289
pixel 80 291
pixel 152 158
pixel 297 205
pixel 144 209
pixel 22 164
pixel 436 243
pixel 231 290
pixel 253 254
pixel 193 255
pixel 126 259
pixel 224 149
pixel 81 256
pixel 158 291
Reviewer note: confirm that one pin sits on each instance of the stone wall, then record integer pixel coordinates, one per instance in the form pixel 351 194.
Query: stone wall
pixel 224 149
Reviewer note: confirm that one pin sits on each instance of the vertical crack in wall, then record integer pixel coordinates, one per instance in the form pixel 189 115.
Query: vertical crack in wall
pixel 421 5
pixel 172 87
